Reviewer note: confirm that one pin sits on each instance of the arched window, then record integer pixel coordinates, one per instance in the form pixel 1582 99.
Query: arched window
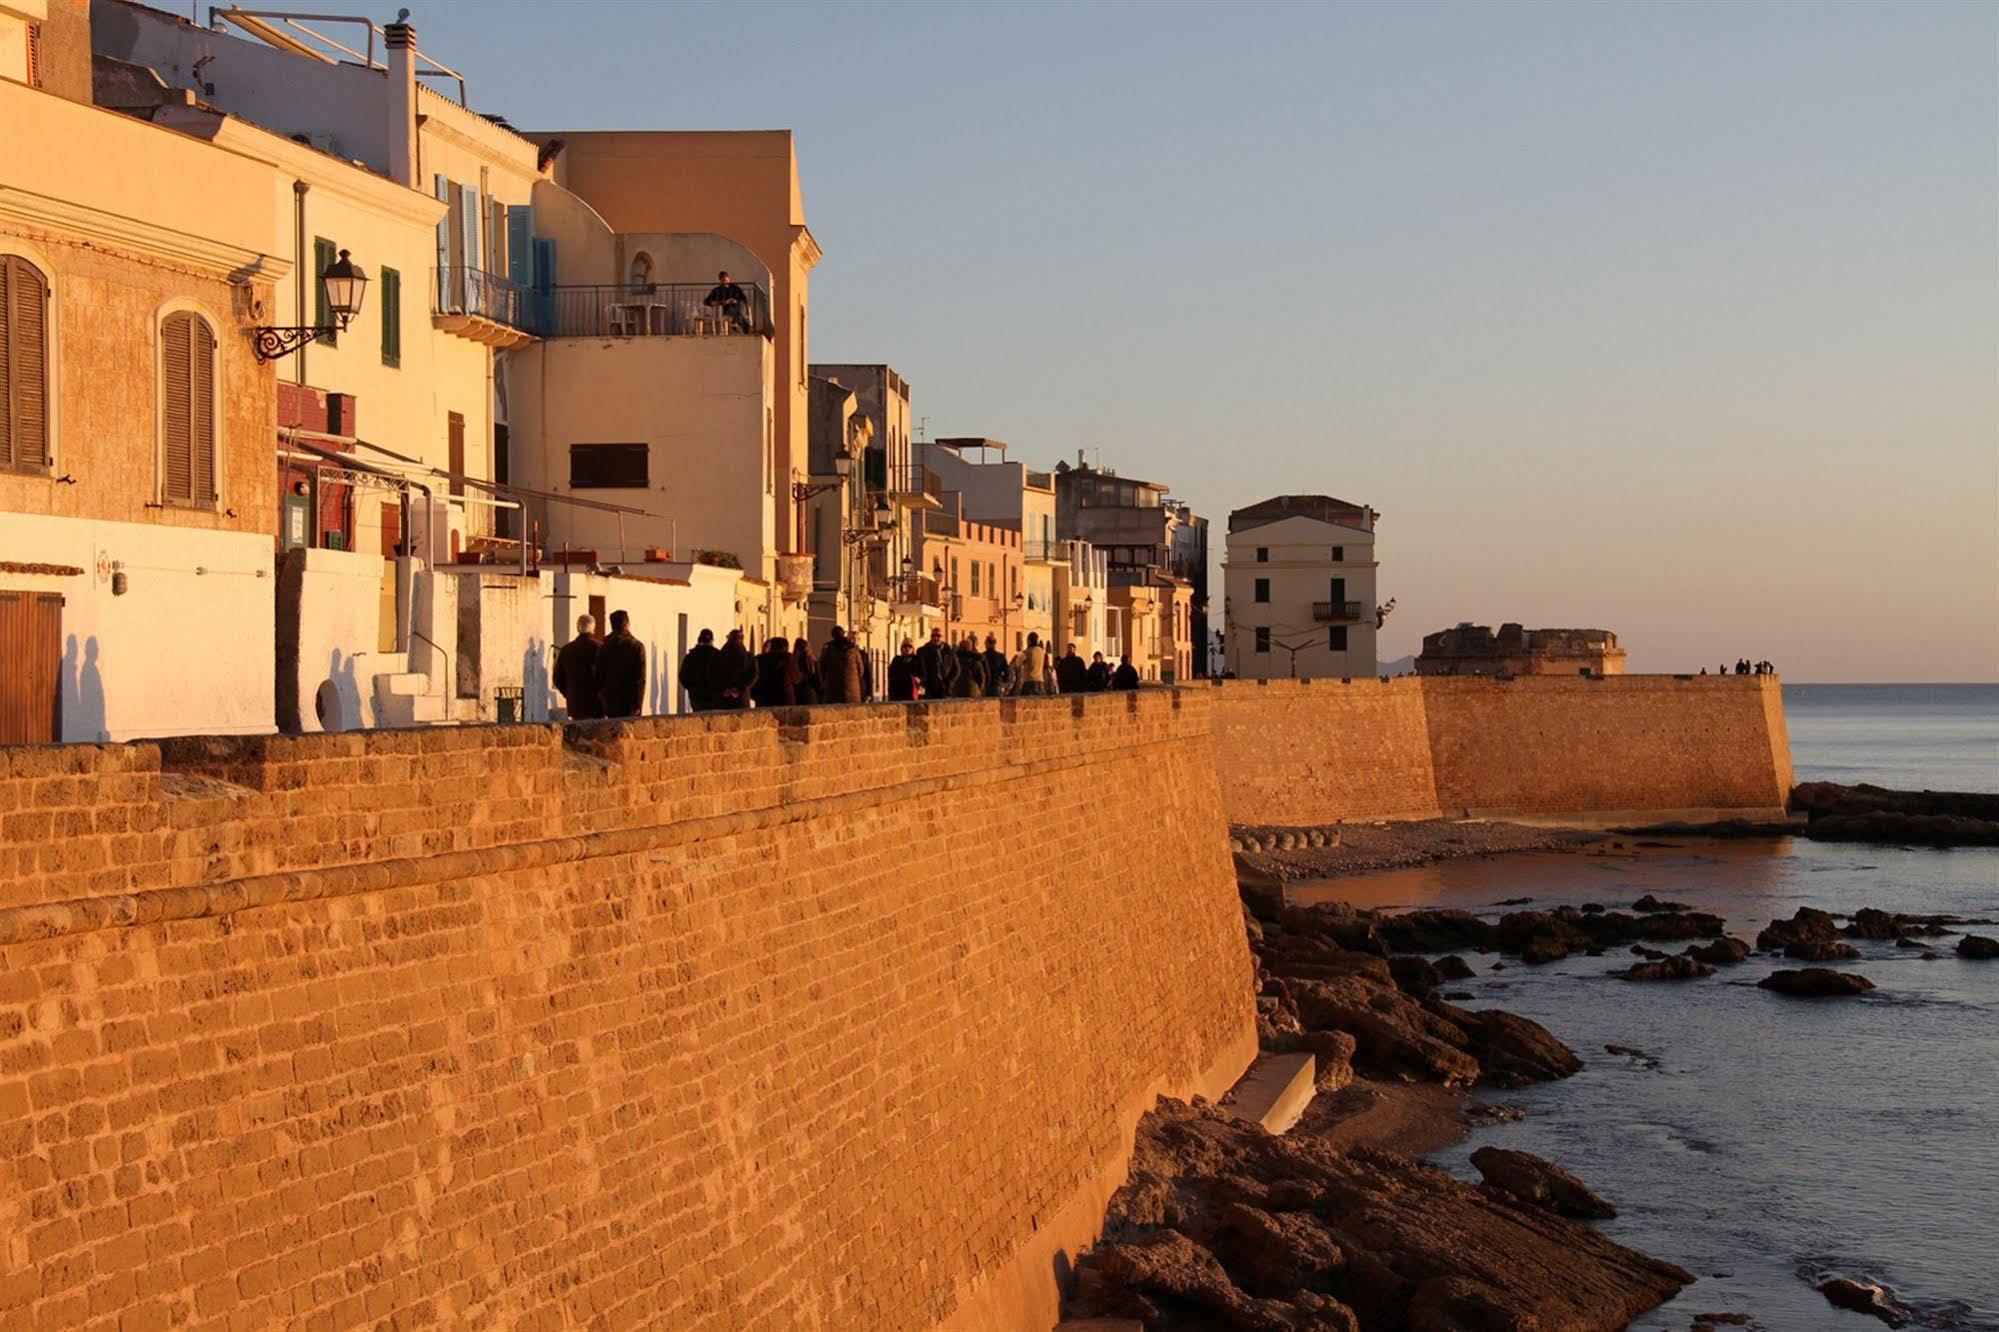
pixel 24 365
pixel 642 269
pixel 187 410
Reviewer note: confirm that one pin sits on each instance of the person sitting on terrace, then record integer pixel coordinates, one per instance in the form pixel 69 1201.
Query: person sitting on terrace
pixel 730 299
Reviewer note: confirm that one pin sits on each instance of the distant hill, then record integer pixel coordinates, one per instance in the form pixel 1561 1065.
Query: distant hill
pixel 1399 666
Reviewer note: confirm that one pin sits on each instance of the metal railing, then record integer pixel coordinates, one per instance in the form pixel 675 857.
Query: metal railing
pixel 915 481
pixel 937 523
pixel 461 290
pixel 1042 550
pixel 1336 612
pixel 662 309
pixel 914 590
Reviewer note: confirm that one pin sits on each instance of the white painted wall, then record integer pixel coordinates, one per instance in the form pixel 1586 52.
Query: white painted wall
pixel 188 649
pixel 339 623
pixel 655 600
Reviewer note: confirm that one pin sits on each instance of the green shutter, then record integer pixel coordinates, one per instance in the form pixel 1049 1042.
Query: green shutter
pixel 392 317
pixel 324 252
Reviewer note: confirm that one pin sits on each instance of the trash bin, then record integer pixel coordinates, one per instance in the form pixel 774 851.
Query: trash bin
pixel 507 705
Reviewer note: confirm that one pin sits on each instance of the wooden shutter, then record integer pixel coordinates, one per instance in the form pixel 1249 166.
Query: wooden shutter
pixel 24 364
pixel 392 317
pixel 34 55
pixel 176 417
pixel 324 252
pixel 201 408
pixel 31 668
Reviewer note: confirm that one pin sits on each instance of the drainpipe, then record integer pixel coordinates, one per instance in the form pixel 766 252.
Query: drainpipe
pixel 300 270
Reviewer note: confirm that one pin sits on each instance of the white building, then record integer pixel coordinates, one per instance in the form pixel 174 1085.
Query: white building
pixel 1300 583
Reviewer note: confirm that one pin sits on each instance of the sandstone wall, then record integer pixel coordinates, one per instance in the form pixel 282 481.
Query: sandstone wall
pixel 1292 750
pixel 1311 752
pixel 839 1018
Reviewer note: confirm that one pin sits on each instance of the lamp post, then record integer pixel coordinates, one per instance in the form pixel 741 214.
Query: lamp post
pixel 346 284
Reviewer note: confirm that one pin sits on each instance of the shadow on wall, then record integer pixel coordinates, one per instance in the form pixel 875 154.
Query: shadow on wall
pixel 656 690
pixel 82 692
pixel 534 682
pixel 337 701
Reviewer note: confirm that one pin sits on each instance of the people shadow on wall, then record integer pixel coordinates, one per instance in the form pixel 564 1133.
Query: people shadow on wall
pixel 534 682
pixel 657 686
pixel 82 691
pixel 338 698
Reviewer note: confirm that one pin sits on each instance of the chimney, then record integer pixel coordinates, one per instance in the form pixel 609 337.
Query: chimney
pixel 400 39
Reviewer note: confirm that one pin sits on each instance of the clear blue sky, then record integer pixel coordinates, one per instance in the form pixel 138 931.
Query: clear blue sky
pixel 1678 319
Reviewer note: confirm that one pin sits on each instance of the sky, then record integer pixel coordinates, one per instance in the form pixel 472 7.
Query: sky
pixel 1678 320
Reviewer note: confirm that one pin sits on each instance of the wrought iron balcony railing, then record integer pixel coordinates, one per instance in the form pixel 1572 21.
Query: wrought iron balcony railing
pixel 654 309
pixel 915 486
pixel 1337 612
pixel 1042 550
pixel 459 290
pixel 914 590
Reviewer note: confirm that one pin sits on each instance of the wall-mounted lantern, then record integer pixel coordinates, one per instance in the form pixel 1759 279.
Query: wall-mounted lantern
pixel 345 285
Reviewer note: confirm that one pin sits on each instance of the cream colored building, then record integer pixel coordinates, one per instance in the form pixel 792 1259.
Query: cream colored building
pixel 1300 589
pixel 136 455
pixel 1009 494
pixel 1083 613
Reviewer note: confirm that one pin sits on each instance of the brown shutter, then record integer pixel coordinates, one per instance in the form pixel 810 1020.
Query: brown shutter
pixel 28 363
pixel 202 410
pixel 177 423
pixel 6 362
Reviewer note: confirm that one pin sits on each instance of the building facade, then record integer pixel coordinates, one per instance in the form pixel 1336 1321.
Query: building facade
pixel 1009 494
pixel 1150 564
pixel 1300 589
pixel 1474 649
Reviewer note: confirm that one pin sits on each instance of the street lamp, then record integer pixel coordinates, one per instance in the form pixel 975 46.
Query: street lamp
pixel 345 283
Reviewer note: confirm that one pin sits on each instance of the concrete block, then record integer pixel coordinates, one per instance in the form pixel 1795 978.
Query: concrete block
pixel 1275 1092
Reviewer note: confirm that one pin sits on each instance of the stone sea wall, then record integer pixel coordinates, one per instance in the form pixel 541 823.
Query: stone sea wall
pixel 1298 752
pixel 827 1018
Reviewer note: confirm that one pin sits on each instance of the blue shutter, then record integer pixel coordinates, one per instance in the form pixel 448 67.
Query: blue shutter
pixel 520 244
pixel 441 277
pixel 468 217
pixel 544 279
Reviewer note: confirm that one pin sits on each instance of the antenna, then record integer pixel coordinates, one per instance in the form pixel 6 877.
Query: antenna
pixel 922 429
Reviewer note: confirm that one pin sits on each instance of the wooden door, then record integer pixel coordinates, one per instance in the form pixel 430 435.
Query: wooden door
pixel 30 668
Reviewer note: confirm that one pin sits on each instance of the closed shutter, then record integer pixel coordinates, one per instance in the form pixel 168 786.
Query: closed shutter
pixel 441 280
pixel 34 55
pixel 201 408
pixel 468 249
pixel 176 416
pixel 520 244
pixel 24 364
pixel 324 252
pixel 392 317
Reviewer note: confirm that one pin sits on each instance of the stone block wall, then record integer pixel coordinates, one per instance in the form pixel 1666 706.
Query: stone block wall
pixel 1292 750
pixel 826 1018
pixel 1315 752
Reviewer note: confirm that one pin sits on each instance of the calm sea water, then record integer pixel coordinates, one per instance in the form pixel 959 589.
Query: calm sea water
pixel 1778 1139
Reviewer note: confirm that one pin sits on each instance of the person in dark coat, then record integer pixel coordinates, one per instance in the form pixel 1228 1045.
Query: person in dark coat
pixel 776 685
pixel 997 674
pixel 1098 677
pixel 905 675
pixel 695 670
pixel 939 665
pixel 843 670
pixel 809 691
pixel 1071 676
pixel 1126 675
pixel 576 671
pixel 732 673
pixel 971 681
pixel 621 670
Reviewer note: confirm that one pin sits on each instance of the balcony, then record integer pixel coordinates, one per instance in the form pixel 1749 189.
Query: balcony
pixel 1337 612
pixel 794 576
pixel 914 486
pixel 648 310
pixel 481 306
pixel 912 592
pixel 1042 550
pixel 941 524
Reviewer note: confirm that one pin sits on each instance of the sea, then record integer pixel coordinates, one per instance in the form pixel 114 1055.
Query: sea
pixel 1760 1142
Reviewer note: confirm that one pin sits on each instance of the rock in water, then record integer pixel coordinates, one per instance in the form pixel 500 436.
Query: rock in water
pixel 1415 976
pixel 1873 923
pixel 1820 950
pixel 1512 1050
pixel 1808 924
pixel 1680 966
pixel 1649 903
pixel 1529 1179
pixel 1723 952
pixel 1977 947
pixel 1453 967
pixel 1859 1297
pixel 1815 983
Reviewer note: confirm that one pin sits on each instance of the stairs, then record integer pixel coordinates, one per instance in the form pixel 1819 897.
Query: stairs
pixel 407 698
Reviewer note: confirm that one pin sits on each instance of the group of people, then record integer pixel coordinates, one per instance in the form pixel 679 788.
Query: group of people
pixel 606 677
pixel 1744 666
pixel 939 670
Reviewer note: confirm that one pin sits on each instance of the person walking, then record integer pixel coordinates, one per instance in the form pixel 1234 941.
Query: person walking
pixel 732 673
pixel 1126 675
pixel 1099 675
pixel 971 679
pixel 776 685
pixel 695 669
pixel 808 691
pixel 939 665
pixel 843 671
pixel 1070 672
pixel 905 675
pixel 576 671
pixel 621 670
pixel 998 676
pixel 1032 675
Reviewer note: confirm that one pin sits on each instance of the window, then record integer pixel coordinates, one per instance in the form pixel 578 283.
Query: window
pixel 1263 554
pixel 1336 638
pixel 324 252
pixel 975 578
pixel 1263 638
pixel 24 365
pixel 1339 554
pixel 1263 589
pixel 1338 592
pixel 609 466
pixel 392 317
pixel 187 411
